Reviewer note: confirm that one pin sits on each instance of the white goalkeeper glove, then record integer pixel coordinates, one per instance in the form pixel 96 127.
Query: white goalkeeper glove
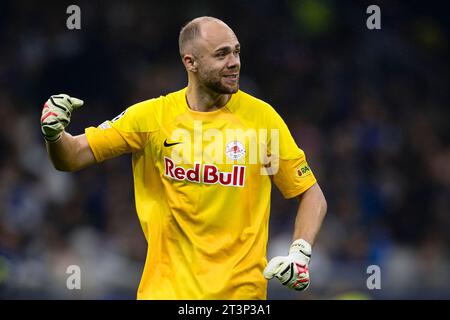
pixel 56 115
pixel 291 270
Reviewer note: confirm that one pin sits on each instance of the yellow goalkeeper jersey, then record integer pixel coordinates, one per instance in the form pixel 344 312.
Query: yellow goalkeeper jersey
pixel 202 188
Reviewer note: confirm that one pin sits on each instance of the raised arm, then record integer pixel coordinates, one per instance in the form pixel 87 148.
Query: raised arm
pixel 70 153
pixel 67 152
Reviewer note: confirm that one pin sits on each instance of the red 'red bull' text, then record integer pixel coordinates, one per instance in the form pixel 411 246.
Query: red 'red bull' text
pixel 206 173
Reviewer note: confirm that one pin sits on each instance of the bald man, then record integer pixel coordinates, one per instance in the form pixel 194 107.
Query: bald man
pixel 203 161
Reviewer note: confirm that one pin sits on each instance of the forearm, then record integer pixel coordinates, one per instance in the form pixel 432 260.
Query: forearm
pixel 292 270
pixel 310 214
pixel 64 152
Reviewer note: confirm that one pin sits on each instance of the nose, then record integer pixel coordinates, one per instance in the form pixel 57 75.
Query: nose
pixel 234 62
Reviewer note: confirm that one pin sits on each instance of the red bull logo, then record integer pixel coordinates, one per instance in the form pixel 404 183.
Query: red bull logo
pixel 206 173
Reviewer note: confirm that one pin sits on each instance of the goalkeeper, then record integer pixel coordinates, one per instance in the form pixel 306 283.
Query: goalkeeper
pixel 205 215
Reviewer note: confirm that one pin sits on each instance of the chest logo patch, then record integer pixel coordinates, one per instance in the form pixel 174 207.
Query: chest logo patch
pixel 235 150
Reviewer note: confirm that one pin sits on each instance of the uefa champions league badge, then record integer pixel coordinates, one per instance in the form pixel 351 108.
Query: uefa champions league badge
pixel 235 150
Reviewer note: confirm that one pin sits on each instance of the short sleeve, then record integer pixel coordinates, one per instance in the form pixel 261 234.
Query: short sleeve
pixel 127 133
pixel 293 176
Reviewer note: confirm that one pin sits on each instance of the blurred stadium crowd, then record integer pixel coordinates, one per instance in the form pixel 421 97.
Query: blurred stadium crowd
pixel 370 109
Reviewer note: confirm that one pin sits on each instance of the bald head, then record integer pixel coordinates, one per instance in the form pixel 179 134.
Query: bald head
pixel 210 52
pixel 195 29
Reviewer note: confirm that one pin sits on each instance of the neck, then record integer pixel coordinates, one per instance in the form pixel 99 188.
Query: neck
pixel 204 100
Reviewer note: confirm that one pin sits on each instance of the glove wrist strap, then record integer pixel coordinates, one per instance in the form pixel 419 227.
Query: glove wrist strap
pixel 301 245
pixel 52 139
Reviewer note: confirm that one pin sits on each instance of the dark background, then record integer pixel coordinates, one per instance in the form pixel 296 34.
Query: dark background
pixel 369 107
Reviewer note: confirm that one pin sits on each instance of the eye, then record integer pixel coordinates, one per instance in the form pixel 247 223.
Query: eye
pixel 221 55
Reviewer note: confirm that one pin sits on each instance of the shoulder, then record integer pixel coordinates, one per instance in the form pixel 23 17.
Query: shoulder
pixel 249 100
pixel 256 108
pixel 145 115
pixel 145 107
pixel 154 107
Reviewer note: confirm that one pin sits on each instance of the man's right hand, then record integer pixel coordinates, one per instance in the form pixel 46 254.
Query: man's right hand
pixel 56 115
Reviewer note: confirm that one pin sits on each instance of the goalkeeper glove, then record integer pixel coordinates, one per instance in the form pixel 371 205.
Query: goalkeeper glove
pixel 56 115
pixel 292 270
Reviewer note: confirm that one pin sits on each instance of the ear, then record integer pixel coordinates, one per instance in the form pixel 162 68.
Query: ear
pixel 190 63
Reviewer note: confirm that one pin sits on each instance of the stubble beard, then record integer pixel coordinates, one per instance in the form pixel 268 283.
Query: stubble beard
pixel 215 84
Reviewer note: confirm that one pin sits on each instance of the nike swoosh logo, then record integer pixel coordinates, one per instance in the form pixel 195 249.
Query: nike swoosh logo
pixel 170 144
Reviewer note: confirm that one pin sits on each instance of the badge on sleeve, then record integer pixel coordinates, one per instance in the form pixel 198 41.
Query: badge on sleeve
pixel 303 170
pixel 104 125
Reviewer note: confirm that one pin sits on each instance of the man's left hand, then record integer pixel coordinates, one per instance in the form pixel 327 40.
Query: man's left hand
pixel 292 270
